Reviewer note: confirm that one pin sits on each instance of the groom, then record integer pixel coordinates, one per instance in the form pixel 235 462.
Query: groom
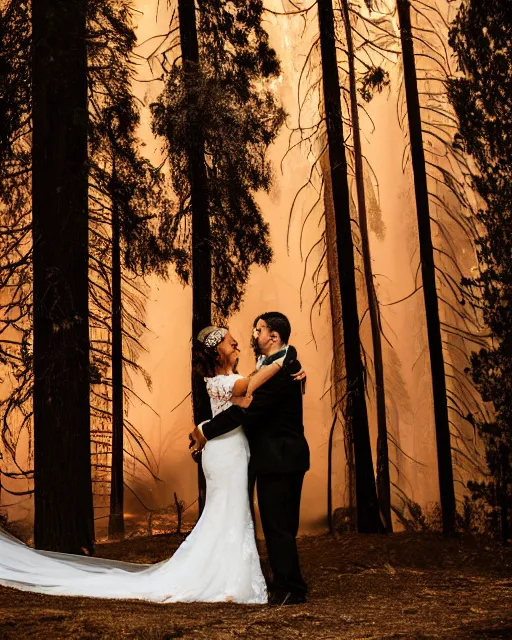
pixel 279 455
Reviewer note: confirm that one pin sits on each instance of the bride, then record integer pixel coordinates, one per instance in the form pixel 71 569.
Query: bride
pixel 218 562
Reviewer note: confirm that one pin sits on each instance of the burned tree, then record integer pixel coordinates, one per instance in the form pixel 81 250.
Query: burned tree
pixel 428 271
pixel 368 518
pixel 383 482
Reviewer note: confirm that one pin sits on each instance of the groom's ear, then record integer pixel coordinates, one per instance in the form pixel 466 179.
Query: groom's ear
pixel 274 336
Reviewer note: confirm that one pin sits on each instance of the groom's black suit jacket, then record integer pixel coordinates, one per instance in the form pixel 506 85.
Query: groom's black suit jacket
pixel 272 422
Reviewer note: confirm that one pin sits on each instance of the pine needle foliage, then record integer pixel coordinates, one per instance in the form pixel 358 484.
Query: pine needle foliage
pixel 230 104
pixel 481 36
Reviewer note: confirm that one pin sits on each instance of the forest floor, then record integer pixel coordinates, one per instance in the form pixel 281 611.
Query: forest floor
pixel 407 586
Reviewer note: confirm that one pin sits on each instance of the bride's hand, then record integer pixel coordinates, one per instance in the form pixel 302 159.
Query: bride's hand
pixel 197 442
pixel 195 451
pixel 242 401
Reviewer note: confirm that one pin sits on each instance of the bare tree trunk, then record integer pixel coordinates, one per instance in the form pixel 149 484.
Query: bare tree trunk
pixel 444 458
pixel 368 517
pixel 201 251
pixel 338 368
pixel 62 459
pixel 383 483
pixel 116 516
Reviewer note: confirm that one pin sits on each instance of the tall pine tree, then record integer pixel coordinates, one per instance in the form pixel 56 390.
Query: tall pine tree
pixel 368 517
pixel 62 463
pixel 428 271
pixel 130 215
pixel 236 115
pixel 144 213
pixel 481 37
pixel 383 482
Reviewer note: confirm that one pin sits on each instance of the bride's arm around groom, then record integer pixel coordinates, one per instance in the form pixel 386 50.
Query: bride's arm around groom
pixel 265 401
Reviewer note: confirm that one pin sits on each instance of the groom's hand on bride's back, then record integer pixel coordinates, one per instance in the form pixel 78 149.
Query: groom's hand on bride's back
pixel 300 375
pixel 294 368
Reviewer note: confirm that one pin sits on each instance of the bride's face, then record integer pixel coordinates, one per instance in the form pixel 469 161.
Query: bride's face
pixel 228 350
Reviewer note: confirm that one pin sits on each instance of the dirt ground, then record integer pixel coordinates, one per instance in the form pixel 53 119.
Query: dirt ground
pixel 373 587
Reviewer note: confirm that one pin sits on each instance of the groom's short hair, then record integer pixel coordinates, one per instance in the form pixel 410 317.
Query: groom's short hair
pixel 277 322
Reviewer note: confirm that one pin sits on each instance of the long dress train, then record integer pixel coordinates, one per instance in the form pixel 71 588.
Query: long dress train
pixel 217 562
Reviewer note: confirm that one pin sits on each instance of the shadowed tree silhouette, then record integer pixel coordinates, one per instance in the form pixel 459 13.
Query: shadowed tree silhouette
pixel 144 215
pixel 368 517
pixel 372 78
pixel 129 226
pixel 481 38
pixel 428 270
pixel 15 245
pixel 62 464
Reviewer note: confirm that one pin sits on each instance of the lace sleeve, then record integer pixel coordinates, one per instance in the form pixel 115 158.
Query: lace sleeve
pixel 220 388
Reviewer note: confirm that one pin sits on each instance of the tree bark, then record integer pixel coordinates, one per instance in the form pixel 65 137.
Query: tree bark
pixel 368 517
pixel 444 458
pixel 201 247
pixel 62 464
pixel 116 516
pixel 338 368
pixel 383 482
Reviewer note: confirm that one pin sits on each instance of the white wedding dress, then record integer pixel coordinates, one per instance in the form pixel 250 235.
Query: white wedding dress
pixel 218 562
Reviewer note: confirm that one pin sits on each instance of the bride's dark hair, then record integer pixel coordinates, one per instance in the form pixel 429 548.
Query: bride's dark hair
pixel 204 359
